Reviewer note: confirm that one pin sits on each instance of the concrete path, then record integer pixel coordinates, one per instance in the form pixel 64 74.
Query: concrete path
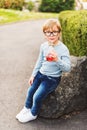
pixel 19 47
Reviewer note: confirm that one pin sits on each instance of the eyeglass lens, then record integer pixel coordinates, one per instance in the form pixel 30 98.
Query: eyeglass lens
pixel 54 33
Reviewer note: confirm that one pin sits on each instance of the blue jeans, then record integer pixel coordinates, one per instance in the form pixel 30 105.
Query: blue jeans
pixel 41 87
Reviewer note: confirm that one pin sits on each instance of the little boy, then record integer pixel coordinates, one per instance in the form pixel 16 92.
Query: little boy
pixel 53 59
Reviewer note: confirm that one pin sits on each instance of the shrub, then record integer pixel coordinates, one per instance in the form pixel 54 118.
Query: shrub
pixel 13 4
pixel 74 31
pixel 31 5
pixel 1 3
pixel 56 5
pixel 17 4
pixel 5 4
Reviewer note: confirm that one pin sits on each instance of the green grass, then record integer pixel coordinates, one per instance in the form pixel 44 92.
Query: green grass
pixel 10 16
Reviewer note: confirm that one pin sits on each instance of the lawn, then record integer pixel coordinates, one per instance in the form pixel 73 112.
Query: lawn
pixel 10 16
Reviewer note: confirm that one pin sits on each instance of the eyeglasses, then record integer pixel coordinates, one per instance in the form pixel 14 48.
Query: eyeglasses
pixel 54 33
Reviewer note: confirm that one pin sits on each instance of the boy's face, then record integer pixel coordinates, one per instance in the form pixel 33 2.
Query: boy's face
pixel 52 34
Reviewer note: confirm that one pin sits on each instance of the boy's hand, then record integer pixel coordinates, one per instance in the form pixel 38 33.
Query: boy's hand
pixel 31 80
pixel 52 56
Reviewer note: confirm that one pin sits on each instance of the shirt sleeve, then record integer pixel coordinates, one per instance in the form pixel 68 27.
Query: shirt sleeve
pixel 64 62
pixel 38 63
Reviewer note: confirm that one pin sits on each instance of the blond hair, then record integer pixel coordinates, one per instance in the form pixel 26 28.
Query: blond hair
pixel 50 23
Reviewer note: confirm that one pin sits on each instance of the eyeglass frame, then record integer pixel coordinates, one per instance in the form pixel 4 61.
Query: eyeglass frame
pixel 53 33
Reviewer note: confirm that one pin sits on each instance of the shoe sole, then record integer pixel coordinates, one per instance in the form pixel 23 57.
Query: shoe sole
pixel 26 121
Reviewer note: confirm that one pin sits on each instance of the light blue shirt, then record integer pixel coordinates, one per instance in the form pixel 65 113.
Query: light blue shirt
pixel 53 68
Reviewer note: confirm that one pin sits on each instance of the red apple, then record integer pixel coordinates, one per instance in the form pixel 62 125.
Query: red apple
pixel 49 57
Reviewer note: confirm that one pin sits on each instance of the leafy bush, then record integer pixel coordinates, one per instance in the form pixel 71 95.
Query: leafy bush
pixel 56 5
pixel 14 4
pixel 5 4
pixel 74 31
pixel 31 5
pixel 17 4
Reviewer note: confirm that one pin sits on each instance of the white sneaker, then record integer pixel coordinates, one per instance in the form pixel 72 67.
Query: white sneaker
pixel 26 117
pixel 23 111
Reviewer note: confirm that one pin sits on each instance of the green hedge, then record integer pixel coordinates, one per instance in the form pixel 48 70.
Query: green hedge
pixel 74 31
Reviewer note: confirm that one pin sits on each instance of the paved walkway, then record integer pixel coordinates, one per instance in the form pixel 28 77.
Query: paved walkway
pixel 19 46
